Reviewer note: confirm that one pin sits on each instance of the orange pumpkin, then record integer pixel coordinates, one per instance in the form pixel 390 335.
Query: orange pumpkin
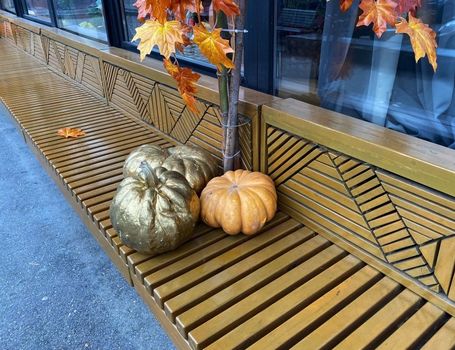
pixel 239 201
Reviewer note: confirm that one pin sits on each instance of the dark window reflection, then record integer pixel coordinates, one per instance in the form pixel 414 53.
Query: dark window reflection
pixel 7 5
pixel 38 9
pixel 83 17
pixel 321 57
pixel 298 46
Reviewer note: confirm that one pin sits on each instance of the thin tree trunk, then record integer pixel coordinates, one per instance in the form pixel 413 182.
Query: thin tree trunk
pixel 223 75
pixel 231 135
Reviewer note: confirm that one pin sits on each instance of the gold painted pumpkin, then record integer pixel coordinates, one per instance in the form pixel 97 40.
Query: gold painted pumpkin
pixel 154 211
pixel 239 201
pixel 196 164
pixel 153 155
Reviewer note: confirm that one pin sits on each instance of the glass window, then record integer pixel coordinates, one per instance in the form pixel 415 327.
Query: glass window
pixel 8 5
pixel 192 51
pixel 83 17
pixel 323 58
pixel 38 9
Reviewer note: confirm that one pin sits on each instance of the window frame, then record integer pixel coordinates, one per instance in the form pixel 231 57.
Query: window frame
pixel 21 11
pixel 55 15
pixel 25 15
pixel 5 9
pixel 258 59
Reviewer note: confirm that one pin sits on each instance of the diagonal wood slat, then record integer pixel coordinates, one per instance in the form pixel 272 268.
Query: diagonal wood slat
pixel 354 200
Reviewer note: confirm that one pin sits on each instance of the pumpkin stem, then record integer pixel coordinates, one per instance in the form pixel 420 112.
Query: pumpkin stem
pixel 148 175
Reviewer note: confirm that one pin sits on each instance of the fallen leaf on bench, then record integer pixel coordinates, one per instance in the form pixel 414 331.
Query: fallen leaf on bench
pixel 70 132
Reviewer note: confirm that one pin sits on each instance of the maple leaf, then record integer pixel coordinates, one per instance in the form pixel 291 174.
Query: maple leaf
pixel 153 8
pixel 143 9
pixel 70 132
pixel 186 83
pixel 229 7
pixel 171 68
pixel 423 38
pixel 345 5
pixel 213 46
pixel 186 40
pixel 180 7
pixel 164 35
pixel 380 13
pixel 404 6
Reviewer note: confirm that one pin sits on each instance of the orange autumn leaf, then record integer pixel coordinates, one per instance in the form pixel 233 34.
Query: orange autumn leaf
pixel 164 35
pixel 423 38
pixel 404 6
pixel 186 83
pixel 213 46
pixel 180 7
pixel 229 7
pixel 345 5
pixel 154 8
pixel 380 13
pixel 171 68
pixel 143 9
pixel 70 132
pixel 186 40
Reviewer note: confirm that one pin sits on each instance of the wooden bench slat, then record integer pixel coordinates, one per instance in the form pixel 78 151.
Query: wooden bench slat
pixel 276 290
pixel 142 264
pixel 93 138
pixel 128 145
pixel 224 261
pixel 383 322
pixel 146 265
pixel 209 286
pixel 256 280
pixel 319 310
pixel 108 148
pixel 408 334
pixel 169 272
pixel 444 337
pixel 126 134
pixel 350 317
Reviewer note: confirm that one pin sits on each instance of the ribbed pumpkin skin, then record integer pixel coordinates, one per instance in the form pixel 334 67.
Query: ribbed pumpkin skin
pixel 196 164
pixel 154 211
pixel 153 155
pixel 239 201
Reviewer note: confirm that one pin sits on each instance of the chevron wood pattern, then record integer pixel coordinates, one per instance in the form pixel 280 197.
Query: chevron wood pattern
pixel 246 144
pixel 162 107
pixel 8 30
pixel 398 221
pixel 91 75
pixel 70 57
pixel 77 65
pixel 38 50
pixel 45 47
pixel 24 39
pixel 56 56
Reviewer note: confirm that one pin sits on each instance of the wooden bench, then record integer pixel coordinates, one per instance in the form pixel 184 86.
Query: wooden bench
pixel 323 273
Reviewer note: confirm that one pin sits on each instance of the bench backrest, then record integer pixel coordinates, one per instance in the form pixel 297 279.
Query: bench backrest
pixel 384 196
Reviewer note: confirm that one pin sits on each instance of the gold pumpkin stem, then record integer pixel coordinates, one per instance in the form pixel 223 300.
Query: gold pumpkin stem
pixel 147 173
